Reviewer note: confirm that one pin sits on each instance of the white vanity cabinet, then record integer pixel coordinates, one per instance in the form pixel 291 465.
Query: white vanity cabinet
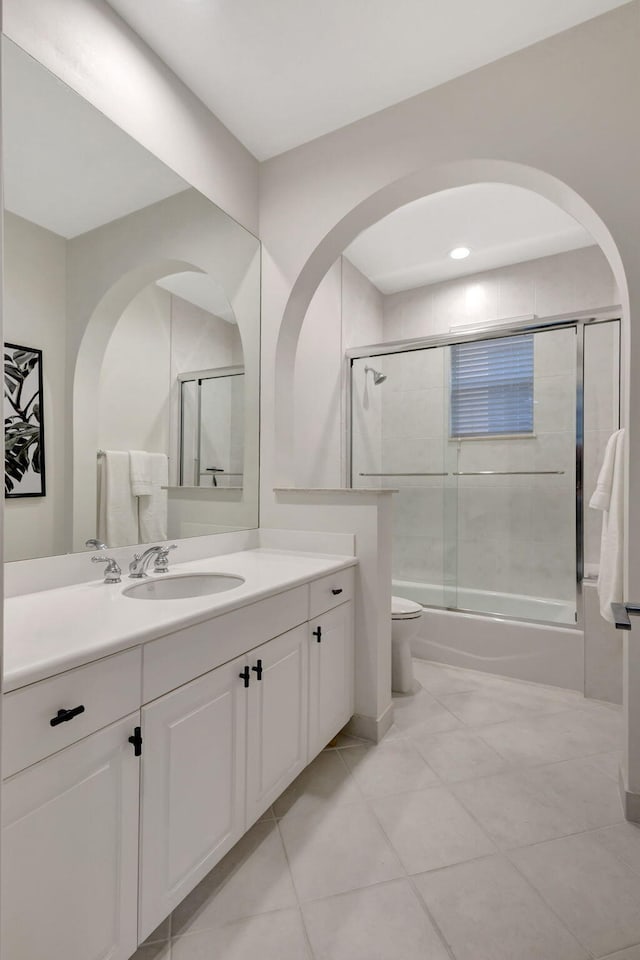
pixel 277 718
pixel 193 786
pixel 331 675
pixel 70 814
pixel 127 779
pixel 70 852
pixel 217 752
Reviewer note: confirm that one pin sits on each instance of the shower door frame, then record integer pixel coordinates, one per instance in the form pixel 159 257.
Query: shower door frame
pixel 197 376
pixel 508 328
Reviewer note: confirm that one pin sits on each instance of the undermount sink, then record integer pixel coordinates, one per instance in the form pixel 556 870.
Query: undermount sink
pixel 183 586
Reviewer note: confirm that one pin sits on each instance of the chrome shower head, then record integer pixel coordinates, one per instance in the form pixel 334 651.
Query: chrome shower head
pixel 377 376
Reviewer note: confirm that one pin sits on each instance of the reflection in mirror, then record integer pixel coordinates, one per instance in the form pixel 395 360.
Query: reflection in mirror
pixel 143 297
pixel 211 407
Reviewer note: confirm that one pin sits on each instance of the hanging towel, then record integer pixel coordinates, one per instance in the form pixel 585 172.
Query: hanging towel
pixel 609 498
pixel 152 509
pixel 117 507
pixel 141 473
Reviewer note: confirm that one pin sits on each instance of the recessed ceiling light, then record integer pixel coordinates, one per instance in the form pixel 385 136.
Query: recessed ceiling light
pixel 459 253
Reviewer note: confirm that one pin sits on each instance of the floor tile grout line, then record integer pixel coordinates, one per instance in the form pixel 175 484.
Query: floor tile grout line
pixel 544 900
pixel 436 926
pixel 583 833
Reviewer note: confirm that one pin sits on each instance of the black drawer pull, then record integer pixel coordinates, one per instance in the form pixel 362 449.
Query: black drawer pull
pixel 63 715
pixel 246 676
pixel 258 669
pixel 318 634
pixel 336 591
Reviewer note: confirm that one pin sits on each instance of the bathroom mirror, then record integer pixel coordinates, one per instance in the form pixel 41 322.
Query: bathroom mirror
pixel 142 299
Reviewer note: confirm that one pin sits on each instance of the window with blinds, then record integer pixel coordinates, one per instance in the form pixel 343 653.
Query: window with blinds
pixel 492 387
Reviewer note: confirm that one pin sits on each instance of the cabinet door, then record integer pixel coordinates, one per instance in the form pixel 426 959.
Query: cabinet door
pixel 331 677
pixel 69 852
pixel 193 770
pixel 277 718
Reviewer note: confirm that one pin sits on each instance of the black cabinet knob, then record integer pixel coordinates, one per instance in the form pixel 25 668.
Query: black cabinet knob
pixel 336 591
pixel 318 634
pixel 62 716
pixel 246 676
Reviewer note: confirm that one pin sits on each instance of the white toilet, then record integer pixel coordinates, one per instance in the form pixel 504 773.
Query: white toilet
pixel 405 623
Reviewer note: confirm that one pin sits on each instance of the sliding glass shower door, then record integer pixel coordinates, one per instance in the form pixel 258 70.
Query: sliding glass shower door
pixel 479 439
pixel 514 429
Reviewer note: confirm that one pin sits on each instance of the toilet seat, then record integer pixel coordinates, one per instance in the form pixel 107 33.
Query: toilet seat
pixel 402 609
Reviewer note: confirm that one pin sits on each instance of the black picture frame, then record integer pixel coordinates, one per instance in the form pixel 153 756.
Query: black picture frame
pixel 24 458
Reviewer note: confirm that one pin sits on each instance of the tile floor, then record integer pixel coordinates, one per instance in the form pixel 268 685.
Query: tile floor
pixel 486 826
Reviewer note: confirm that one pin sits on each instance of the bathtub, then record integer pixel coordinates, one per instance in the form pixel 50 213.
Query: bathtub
pixel 513 605
pixel 496 635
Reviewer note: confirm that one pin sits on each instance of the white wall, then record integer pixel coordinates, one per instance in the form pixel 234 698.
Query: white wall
pixel 133 391
pixel 34 315
pixel 542 118
pixel 88 46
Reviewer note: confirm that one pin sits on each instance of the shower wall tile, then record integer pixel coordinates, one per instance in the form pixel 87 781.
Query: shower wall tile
pixel 406 455
pixel 578 280
pixel 413 413
pixel 416 370
pixel 573 281
pixel 418 558
pixel 601 374
pixel 554 404
pixel 419 510
pixel 555 353
pixel 516 290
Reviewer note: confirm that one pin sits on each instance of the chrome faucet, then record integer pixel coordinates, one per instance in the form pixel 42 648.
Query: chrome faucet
pixel 142 561
pixel 96 544
pixel 112 573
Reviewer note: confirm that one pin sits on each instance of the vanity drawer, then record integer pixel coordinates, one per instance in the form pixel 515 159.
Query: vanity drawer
pixel 180 657
pixel 107 689
pixel 330 591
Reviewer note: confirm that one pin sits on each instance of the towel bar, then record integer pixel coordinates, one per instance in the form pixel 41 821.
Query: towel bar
pixel 621 612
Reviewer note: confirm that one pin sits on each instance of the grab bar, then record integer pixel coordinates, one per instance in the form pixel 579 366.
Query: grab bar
pixel 403 474
pixel 507 473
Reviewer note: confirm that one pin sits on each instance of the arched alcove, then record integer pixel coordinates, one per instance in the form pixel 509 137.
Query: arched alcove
pixel 421 183
pixel 100 327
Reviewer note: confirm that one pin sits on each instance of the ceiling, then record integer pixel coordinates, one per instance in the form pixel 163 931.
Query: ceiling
pixel 501 224
pixel 66 166
pixel 281 72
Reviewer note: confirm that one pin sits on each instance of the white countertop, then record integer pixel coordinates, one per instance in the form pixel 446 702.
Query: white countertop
pixel 51 631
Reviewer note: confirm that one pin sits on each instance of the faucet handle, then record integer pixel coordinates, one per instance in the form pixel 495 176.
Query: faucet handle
pixel 162 558
pixel 112 573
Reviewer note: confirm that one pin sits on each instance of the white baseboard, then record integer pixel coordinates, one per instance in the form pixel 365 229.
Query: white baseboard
pixel 630 801
pixel 370 728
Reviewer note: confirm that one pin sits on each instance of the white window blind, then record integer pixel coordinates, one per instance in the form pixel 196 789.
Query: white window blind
pixel 492 387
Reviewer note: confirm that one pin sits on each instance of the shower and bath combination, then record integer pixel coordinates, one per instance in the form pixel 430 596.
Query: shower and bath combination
pixel 485 438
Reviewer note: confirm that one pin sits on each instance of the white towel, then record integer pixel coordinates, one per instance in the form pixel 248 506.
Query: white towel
pixel 141 473
pixel 152 510
pixel 609 498
pixel 117 507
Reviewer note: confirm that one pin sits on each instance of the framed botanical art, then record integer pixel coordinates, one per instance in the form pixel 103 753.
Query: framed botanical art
pixel 24 460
